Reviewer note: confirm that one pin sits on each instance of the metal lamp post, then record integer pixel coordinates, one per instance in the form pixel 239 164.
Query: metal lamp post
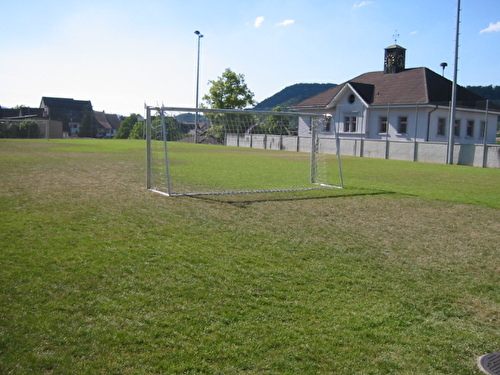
pixel 197 87
pixel 453 104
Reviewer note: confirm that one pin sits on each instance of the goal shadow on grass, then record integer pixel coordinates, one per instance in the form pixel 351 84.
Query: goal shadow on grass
pixel 251 198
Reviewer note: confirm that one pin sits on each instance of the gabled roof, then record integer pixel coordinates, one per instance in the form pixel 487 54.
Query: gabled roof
pixel 102 120
pixel 65 103
pixel 411 86
pixel 114 121
pixel 107 121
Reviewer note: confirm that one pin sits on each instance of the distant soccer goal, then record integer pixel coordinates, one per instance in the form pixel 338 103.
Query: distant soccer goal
pixel 24 128
pixel 214 151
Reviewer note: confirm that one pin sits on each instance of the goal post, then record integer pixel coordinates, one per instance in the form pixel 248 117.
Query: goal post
pixel 223 151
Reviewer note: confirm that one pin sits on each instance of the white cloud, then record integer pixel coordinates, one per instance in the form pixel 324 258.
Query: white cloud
pixel 285 23
pixel 258 21
pixel 493 27
pixel 360 4
pixel 414 32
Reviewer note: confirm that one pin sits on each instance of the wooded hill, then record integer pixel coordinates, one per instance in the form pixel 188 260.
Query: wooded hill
pixel 488 92
pixel 293 94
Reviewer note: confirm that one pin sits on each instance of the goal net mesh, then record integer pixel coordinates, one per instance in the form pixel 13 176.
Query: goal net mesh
pixel 24 128
pixel 207 151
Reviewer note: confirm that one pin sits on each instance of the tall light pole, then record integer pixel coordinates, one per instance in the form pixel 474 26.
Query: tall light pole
pixel 453 105
pixel 197 87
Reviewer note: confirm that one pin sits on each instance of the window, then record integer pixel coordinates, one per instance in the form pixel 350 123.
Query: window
pixel 350 124
pixel 402 125
pixel 441 129
pixel 470 128
pixel 483 128
pixel 351 98
pixel 382 125
pixel 457 128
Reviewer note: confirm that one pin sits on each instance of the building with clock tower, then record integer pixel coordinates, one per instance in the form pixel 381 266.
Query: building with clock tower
pixel 400 108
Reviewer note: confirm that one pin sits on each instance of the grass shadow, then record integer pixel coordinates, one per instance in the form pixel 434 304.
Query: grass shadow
pixel 252 198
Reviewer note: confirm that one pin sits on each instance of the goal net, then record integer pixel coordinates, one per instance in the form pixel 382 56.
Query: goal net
pixel 214 151
pixel 24 128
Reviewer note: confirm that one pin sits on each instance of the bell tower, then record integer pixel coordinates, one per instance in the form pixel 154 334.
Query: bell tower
pixel 394 59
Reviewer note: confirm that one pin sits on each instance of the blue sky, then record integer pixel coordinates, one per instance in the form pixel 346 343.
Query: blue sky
pixel 121 54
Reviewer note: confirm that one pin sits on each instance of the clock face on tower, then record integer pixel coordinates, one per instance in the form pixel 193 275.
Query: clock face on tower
pixel 400 62
pixel 394 60
pixel 389 61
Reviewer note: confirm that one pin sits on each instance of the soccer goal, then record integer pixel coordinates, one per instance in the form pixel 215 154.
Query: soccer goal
pixel 24 128
pixel 215 151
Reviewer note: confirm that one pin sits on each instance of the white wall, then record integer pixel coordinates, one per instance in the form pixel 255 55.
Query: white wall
pixel 430 152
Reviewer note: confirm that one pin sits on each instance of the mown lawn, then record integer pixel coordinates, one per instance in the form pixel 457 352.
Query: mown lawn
pixel 396 274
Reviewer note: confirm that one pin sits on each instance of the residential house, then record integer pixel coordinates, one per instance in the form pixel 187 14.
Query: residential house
pixel 48 128
pixel 107 124
pixel 63 118
pixel 71 112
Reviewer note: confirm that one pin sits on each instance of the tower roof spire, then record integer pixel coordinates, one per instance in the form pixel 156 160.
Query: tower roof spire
pixel 395 36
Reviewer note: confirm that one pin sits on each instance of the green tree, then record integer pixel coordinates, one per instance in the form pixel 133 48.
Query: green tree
pixel 11 130
pixel 229 92
pixel 88 127
pixel 174 130
pixel 138 131
pixel 28 129
pixel 275 124
pixel 126 126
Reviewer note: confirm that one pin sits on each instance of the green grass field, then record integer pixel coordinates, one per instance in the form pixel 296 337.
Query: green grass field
pixel 399 273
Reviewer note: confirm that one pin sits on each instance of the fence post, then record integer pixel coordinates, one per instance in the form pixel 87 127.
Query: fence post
pixel 485 146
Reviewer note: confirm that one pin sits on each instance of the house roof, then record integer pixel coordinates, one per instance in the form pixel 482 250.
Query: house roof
pixel 102 120
pixel 410 86
pixel 21 112
pixel 113 120
pixel 395 46
pixel 65 103
pixel 107 121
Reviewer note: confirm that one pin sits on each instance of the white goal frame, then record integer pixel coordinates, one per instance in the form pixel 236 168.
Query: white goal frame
pixel 316 126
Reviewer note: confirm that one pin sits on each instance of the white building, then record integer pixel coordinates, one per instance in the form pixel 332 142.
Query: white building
pixel 399 104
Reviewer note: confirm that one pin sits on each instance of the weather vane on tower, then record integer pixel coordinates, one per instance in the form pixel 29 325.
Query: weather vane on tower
pixel 395 36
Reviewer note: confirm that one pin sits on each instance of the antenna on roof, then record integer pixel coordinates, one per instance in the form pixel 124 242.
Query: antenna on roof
pixel 395 36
